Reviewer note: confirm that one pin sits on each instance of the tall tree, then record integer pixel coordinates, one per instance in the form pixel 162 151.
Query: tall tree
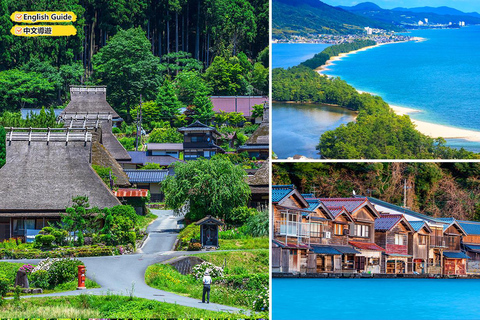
pixel 128 68
pixel 207 187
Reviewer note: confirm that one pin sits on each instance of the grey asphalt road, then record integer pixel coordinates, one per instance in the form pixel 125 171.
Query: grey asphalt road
pixel 125 274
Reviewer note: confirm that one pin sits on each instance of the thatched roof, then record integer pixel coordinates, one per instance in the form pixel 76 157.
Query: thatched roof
pixel 261 177
pixel 101 157
pixel 91 100
pixel 260 136
pixel 41 177
pixel 112 144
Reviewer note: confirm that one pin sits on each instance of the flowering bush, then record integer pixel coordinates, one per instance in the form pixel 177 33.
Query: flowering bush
pixel 200 269
pixel 28 268
pixel 261 303
pixel 194 246
pixel 44 264
pixel 39 279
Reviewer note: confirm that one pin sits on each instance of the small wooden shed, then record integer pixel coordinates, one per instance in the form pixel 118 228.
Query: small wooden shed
pixel 209 231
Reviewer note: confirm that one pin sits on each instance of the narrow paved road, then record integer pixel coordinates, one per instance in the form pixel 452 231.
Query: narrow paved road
pixel 125 274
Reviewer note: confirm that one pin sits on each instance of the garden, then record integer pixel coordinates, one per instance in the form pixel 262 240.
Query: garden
pixel 83 232
pixel 50 275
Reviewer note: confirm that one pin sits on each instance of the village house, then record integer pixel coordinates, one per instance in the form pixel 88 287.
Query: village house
pixel 445 255
pixel 44 170
pixel 419 246
pixel 259 187
pixel 150 180
pixel 290 235
pixel 471 245
pixel 257 146
pixel 392 233
pixel 200 141
pixel 361 232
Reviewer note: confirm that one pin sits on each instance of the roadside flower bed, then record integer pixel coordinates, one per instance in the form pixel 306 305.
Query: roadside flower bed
pixel 63 252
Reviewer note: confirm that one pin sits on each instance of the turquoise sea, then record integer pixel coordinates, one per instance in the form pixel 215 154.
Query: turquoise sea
pixel 383 299
pixel 439 76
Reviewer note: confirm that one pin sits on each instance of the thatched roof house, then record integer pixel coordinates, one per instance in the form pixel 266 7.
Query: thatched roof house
pixel 259 186
pixel 88 108
pixel 43 171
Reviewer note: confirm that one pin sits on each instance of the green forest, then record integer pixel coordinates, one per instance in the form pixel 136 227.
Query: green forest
pixel 437 189
pixel 377 133
pixel 178 51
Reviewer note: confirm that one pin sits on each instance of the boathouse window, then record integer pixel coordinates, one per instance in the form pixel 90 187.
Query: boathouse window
pixel 315 230
pixel 362 230
pixel 399 239
pixel 339 229
pixel 422 240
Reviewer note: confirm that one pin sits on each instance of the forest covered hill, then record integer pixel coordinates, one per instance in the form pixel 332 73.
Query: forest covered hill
pixel 436 189
pixel 301 17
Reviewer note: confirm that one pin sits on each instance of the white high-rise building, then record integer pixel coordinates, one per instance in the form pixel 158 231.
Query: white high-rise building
pixel 420 23
pixel 426 20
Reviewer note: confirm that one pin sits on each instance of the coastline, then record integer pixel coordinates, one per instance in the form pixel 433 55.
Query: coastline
pixel 432 130
pixel 332 60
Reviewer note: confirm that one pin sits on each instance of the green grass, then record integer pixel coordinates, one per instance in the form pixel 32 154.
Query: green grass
pixel 242 244
pixel 110 306
pixel 144 221
pixel 9 269
pixel 239 262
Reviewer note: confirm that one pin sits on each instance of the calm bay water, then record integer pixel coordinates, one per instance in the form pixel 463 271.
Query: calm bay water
pixel 291 54
pixel 440 77
pixel 375 299
pixel 297 127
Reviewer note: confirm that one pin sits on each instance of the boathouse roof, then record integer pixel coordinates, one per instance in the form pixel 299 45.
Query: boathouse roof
pixel 387 221
pixel 470 227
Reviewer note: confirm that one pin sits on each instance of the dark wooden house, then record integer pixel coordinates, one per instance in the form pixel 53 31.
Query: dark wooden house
pixel 257 146
pixel 471 245
pixel 392 233
pixel 209 231
pixel 259 187
pixel 43 172
pixel 200 141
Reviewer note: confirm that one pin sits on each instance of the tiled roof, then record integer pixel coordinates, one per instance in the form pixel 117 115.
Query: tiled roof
pixel 351 204
pixel 472 248
pixel 165 146
pixel 346 249
pixel 289 245
pixel 279 192
pixel 417 225
pixel 308 195
pixel 130 193
pixel 312 204
pixel 329 250
pixel 400 209
pixel 146 176
pixel 387 221
pixel 366 246
pixel 243 104
pixel 455 255
pixel 336 211
pixel 470 227
pixel 140 157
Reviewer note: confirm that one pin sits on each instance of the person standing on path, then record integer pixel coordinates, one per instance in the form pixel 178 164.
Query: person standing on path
pixel 207 281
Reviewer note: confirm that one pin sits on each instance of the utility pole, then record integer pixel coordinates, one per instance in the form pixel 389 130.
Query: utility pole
pixel 314 188
pixel 139 124
pixel 405 193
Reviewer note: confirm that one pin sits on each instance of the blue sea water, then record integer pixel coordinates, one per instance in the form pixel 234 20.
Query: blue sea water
pixel 285 55
pixel 439 76
pixel 375 299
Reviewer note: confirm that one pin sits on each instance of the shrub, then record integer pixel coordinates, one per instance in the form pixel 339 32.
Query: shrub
pixel 39 279
pixel 4 285
pixel 191 231
pixel 200 269
pixel 257 225
pixel 116 130
pixel 261 302
pixel 194 246
pixel 240 215
pixel 44 240
pixel 63 270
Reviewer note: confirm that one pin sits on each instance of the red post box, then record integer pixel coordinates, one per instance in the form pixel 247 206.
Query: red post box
pixel 81 278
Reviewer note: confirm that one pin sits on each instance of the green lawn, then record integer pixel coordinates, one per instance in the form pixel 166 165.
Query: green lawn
pixel 239 262
pixel 110 306
pixel 241 244
pixel 246 273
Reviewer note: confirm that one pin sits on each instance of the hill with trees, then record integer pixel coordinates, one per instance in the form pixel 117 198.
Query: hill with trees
pixel 302 17
pixel 437 189
pixel 133 47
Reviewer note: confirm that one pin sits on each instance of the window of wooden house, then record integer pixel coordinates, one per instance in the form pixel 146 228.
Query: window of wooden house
pixel 338 229
pixel 422 239
pixel 362 230
pixel 315 230
pixel 399 239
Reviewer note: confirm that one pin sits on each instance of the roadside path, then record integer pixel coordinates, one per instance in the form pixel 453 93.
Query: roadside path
pixel 125 275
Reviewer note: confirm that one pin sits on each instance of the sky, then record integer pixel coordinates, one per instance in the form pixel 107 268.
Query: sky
pixel 463 5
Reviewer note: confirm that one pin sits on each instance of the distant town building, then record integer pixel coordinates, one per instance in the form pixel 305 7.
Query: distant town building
pixel 368 30
pixel 421 23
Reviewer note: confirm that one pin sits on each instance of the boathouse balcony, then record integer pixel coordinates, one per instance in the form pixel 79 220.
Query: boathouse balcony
pixel 294 229
pixel 446 242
